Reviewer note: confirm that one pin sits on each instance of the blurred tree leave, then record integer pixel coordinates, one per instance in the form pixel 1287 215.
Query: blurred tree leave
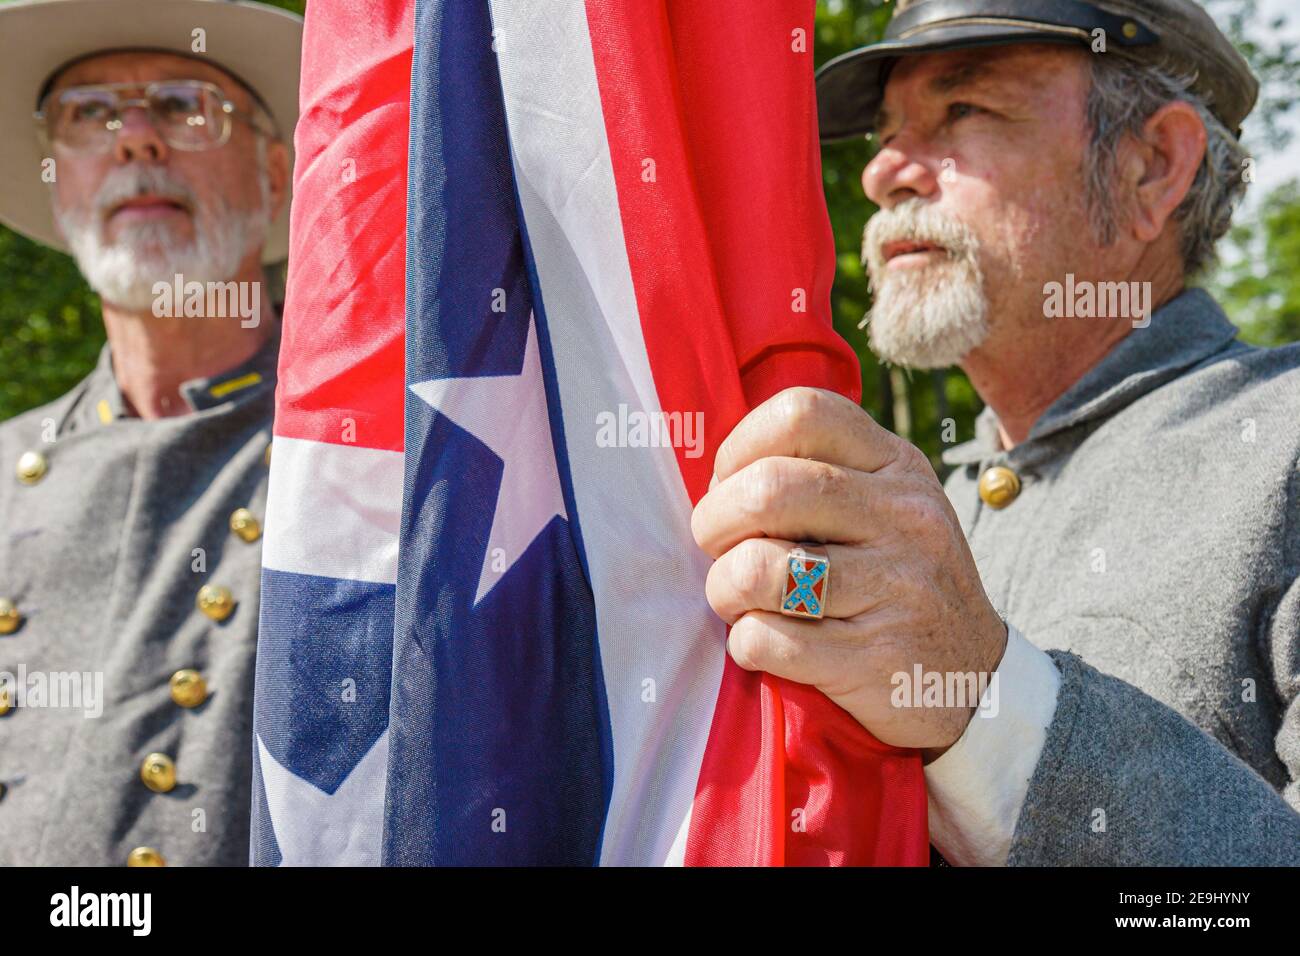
pixel 1259 284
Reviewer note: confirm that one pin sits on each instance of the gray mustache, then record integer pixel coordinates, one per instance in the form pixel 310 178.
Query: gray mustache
pixel 128 183
pixel 915 221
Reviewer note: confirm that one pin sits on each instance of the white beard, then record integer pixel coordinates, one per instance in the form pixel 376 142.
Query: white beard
pixel 930 316
pixel 124 272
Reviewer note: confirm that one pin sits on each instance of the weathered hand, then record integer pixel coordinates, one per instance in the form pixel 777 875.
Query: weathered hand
pixel 811 466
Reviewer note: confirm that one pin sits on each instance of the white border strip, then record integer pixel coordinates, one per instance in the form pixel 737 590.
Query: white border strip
pixel 333 510
pixel 657 633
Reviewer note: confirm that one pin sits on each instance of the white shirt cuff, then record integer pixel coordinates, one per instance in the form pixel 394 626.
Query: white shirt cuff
pixel 976 789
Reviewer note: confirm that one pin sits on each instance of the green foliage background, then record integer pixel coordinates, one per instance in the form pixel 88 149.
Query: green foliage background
pixel 50 331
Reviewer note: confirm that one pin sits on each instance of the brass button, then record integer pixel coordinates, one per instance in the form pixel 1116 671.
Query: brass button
pixel 999 486
pixel 158 773
pixel 9 616
pixel 216 602
pixel 1129 29
pixel 245 525
pixel 6 701
pixel 189 689
pixel 145 856
pixel 32 467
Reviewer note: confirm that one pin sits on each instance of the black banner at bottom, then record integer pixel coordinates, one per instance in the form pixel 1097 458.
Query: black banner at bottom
pixel 299 906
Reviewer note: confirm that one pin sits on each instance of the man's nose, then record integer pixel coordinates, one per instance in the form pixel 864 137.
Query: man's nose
pixel 138 140
pixel 900 172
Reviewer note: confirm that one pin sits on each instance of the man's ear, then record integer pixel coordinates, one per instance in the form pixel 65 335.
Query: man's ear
pixel 1171 145
pixel 278 173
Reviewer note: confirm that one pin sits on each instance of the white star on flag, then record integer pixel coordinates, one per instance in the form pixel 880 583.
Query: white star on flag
pixel 312 827
pixel 508 414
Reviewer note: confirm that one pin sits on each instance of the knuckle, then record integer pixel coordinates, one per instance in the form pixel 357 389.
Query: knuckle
pixel 797 408
pixel 751 569
pixel 913 459
pixel 745 643
pixel 920 515
pixel 828 480
pixel 697 525
pixel 764 485
pixel 715 590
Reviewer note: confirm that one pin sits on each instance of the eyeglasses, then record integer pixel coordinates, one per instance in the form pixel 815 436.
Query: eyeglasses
pixel 190 115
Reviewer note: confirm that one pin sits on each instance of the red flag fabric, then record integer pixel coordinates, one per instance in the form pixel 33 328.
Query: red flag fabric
pixel 733 228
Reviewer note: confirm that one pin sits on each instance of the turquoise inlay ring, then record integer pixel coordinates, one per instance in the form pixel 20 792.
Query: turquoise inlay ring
pixel 807 582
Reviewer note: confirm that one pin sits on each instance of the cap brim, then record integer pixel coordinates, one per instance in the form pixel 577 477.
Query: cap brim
pixel 850 87
pixel 260 45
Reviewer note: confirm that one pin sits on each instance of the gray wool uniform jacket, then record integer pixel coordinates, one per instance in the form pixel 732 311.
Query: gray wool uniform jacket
pixel 1153 551
pixel 103 556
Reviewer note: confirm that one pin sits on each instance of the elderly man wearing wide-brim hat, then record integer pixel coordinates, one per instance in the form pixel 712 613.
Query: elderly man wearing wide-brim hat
pixel 1114 564
pixel 151 139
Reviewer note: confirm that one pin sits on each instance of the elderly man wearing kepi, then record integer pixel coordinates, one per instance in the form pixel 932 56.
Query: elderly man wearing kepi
pixel 151 139
pixel 1119 545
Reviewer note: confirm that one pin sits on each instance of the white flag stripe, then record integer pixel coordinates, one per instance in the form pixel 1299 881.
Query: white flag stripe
pixel 661 646
pixel 333 510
